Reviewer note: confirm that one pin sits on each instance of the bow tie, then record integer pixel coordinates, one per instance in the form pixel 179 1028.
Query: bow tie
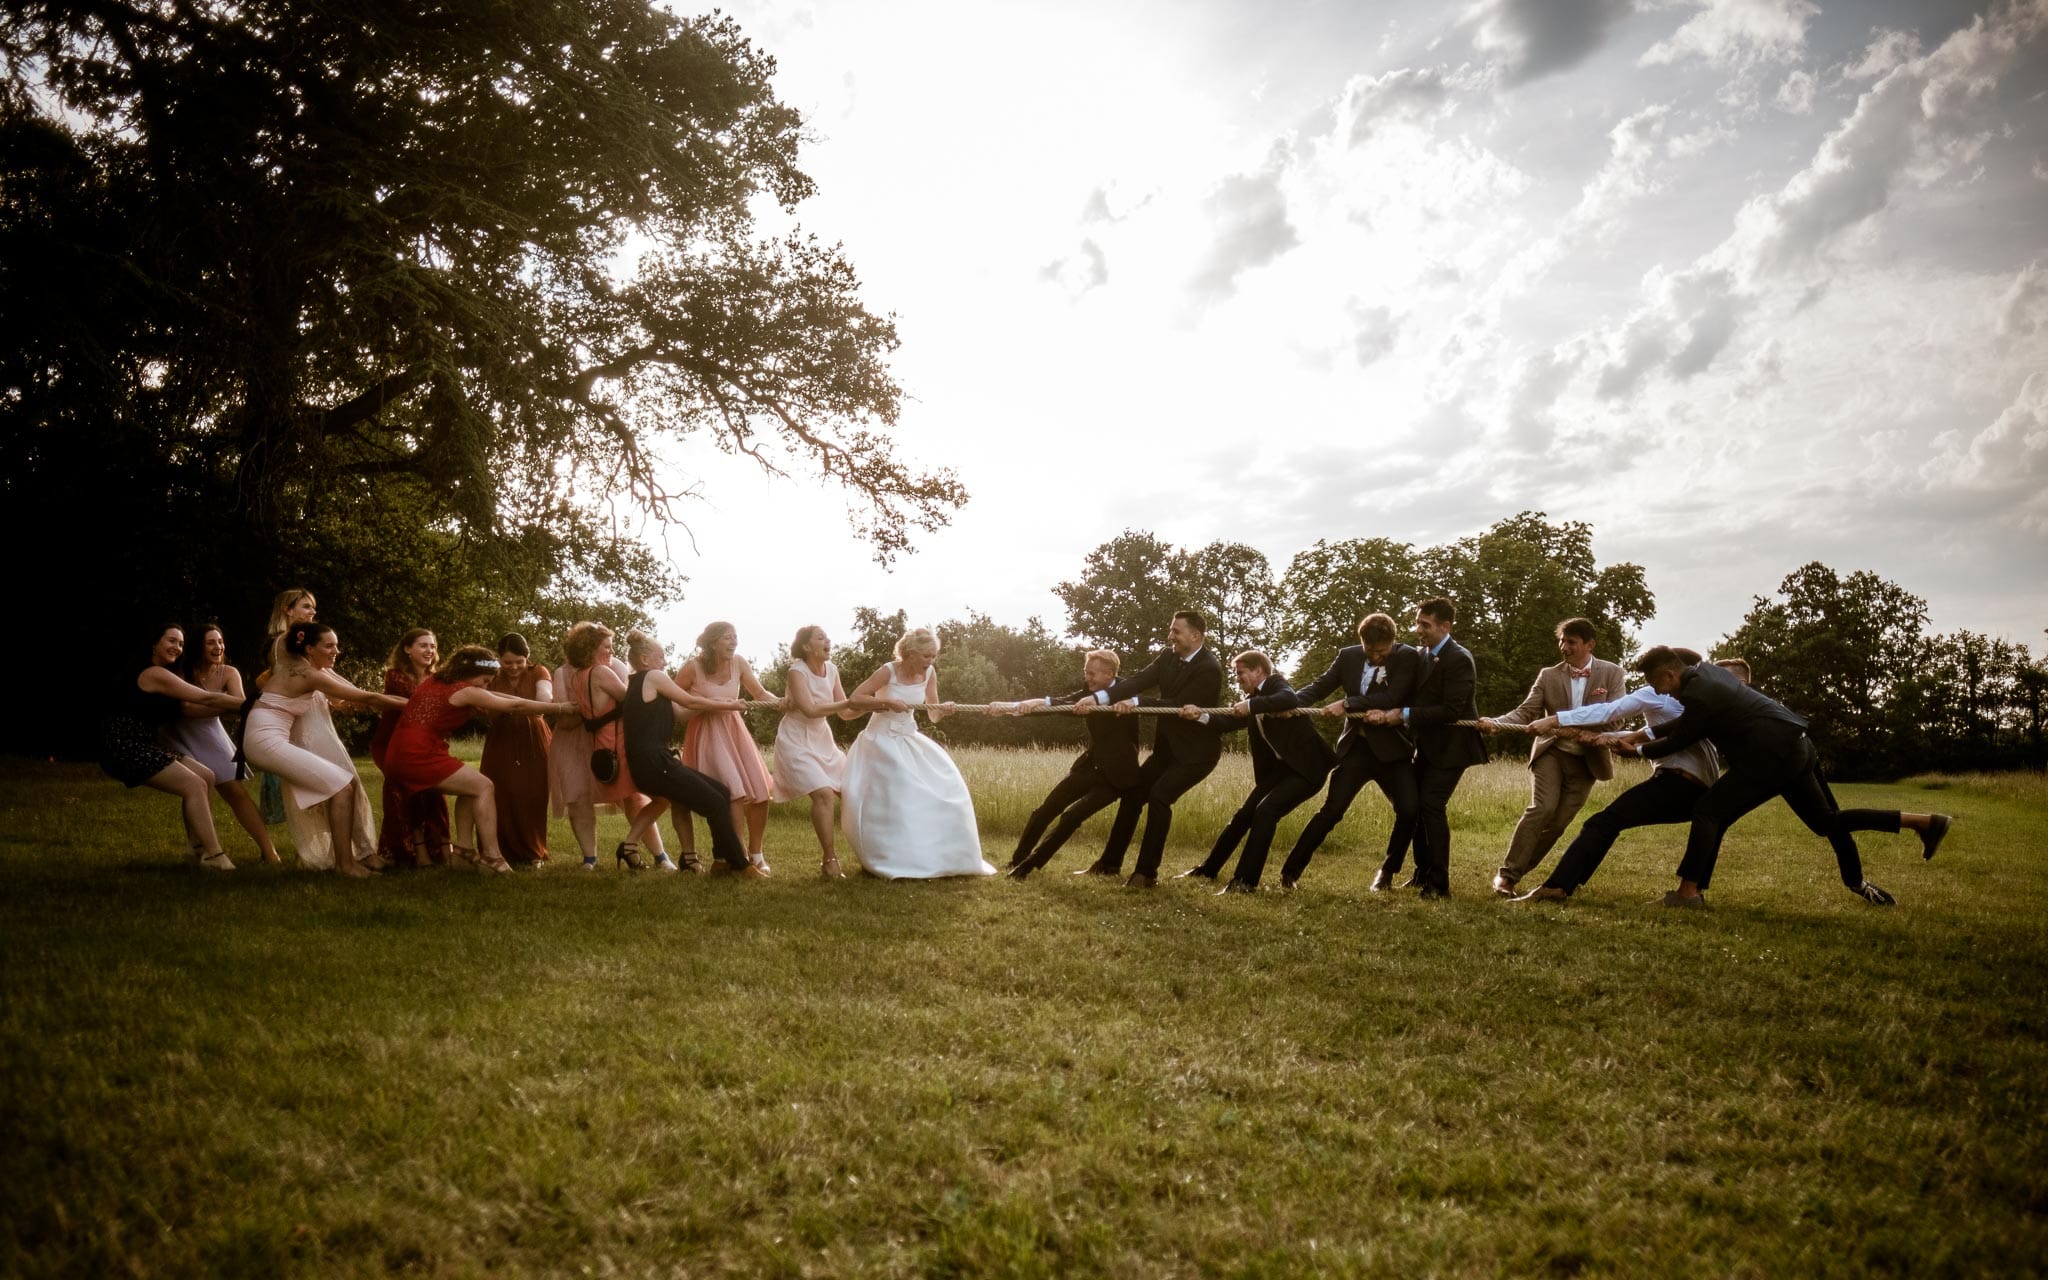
pixel 1580 673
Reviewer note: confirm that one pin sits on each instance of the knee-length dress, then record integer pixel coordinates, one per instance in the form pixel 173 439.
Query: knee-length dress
pixel 204 739
pixel 718 744
pixel 516 761
pixel 906 810
pixel 807 758
pixel 418 758
pixel 294 738
pixel 415 829
pixel 570 750
pixel 129 750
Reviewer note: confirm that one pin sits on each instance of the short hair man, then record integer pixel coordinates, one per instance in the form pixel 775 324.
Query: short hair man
pixel 1562 770
pixel 1765 752
pixel 1289 762
pixel 1376 674
pixel 1444 749
pixel 1099 776
pixel 1183 753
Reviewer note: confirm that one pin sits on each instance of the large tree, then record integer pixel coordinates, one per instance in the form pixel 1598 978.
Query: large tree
pixel 1131 586
pixel 387 294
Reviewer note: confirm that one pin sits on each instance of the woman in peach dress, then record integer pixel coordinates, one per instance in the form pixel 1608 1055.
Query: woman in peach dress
pixel 718 743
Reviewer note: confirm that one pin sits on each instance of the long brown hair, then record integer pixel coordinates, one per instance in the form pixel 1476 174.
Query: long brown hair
pixel 401 661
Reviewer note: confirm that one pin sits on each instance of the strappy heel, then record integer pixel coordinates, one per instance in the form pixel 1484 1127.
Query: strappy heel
pixel 463 856
pixel 829 869
pixel 628 855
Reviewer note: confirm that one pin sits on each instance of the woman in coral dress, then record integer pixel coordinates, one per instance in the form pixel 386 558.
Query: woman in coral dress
pixel 415 829
pixel 808 762
pixel 418 758
pixel 718 744
pixel 516 755
pixel 595 726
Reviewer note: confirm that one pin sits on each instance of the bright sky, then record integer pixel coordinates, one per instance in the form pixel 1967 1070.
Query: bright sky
pixel 1744 283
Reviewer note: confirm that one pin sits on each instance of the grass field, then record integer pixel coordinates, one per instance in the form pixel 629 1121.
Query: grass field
pixel 276 1072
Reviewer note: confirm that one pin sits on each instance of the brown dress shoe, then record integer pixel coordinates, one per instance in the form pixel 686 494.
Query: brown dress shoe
pixel 1139 880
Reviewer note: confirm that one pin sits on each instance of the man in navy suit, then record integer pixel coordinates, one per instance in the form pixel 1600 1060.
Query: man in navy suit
pixel 1444 748
pixel 1376 674
pixel 1100 776
pixel 1289 762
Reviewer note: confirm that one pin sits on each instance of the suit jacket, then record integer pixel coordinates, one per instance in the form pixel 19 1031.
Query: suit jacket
pixel 1394 687
pixel 1552 693
pixel 1196 680
pixel 1748 729
pixel 1443 696
pixel 1112 743
pixel 1289 742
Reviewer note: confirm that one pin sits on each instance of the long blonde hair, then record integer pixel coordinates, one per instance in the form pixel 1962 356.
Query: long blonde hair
pixel 286 601
pixel 918 638
pixel 708 637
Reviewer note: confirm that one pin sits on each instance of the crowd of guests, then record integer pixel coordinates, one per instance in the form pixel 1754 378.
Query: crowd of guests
pixel 600 731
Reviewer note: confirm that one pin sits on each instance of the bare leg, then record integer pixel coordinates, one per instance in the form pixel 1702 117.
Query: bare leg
pixel 583 822
pixel 246 813
pixel 476 806
pixel 825 823
pixel 643 821
pixel 192 783
pixel 341 823
pixel 753 819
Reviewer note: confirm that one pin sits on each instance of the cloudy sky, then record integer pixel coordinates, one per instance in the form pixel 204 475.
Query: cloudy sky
pixel 1743 283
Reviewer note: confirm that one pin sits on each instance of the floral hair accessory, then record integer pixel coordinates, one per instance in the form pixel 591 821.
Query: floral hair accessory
pixel 486 664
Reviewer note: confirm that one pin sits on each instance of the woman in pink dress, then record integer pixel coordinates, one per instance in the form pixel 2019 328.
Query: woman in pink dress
pixel 807 760
pixel 718 743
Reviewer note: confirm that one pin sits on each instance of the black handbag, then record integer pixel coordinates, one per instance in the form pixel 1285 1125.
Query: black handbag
pixel 604 762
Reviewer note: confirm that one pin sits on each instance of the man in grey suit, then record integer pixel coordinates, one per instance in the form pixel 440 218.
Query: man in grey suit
pixel 1562 770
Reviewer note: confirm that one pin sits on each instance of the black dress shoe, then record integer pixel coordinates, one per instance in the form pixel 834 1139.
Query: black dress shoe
pixel 1875 896
pixel 1139 880
pixel 1097 869
pixel 1237 886
pixel 1198 872
pixel 1019 872
pixel 1412 883
pixel 1930 839
pixel 1286 885
pixel 1382 881
pixel 1430 892
pixel 1503 887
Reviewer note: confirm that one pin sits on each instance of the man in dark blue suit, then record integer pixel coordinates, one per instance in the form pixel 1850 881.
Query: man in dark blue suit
pixel 1289 762
pixel 1444 747
pixel 1764 753
pixel 1376 674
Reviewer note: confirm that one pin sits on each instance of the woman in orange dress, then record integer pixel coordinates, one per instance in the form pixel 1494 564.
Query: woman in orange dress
pixel 516 755
pixel 596 726
pixel 718 743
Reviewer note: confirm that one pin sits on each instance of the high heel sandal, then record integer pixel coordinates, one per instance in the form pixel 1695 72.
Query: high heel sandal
pixel 628 856
pixel 469 859
pixel 691 862
pixel 830 868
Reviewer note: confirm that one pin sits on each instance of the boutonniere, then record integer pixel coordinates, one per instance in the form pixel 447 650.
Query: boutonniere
pixel 1601 689
pixel 1379 676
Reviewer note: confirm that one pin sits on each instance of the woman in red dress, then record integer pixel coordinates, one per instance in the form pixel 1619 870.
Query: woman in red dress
pixel 516 755
pixel 415 830
pixel 417 758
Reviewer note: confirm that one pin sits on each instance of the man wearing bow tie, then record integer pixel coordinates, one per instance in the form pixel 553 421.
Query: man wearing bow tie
pixel 1561 771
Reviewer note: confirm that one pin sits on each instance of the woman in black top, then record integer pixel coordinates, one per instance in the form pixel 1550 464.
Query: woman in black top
pixel 650 700
pixel 132 756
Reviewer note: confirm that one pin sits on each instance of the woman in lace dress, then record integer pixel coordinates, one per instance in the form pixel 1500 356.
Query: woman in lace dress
pixel 907 813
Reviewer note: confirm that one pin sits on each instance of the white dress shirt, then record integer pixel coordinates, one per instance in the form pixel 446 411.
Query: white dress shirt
pixel 1700 759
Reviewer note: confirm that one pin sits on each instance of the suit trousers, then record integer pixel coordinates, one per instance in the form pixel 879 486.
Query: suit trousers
pixel 1254 824
pixel 1434 784
pixel 1743 788
pixel 1666 796
pixel 1559 782
pixel 1358 767
pixel 1162 779
pixel 1073 787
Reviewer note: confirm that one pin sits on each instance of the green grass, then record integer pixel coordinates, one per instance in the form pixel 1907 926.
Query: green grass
pixel 442 1074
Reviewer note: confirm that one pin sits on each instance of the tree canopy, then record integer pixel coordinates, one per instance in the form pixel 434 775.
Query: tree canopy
pixel 402 297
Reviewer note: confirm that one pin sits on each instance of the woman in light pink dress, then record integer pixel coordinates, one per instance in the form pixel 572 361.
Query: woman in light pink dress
pixel 718 743
pixel 808 762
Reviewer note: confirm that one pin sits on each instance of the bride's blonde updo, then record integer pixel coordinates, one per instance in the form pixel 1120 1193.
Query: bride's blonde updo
pixel 919 640
pixel 638 645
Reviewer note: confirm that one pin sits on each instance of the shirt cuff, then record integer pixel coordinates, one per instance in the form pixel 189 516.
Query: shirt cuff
pixel 1203 718
pixel 1648 732
pixel 1102 697
pixel 1404 715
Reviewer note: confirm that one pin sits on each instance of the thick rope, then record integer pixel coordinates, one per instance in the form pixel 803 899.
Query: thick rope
pixel 1067 709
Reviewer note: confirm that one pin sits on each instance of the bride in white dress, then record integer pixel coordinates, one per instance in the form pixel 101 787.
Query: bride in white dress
pixel 905 808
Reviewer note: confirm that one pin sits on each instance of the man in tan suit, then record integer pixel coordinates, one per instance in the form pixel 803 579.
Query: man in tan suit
pixel 1561 771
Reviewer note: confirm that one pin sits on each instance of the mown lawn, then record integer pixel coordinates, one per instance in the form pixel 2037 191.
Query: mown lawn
pixel 276 1072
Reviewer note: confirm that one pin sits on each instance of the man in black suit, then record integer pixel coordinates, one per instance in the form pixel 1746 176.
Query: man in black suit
pixel 1764 753
pixel 1183 752
pixel 1289 762
pixel 1376 674
pixel 1444 749
pixel 1101 774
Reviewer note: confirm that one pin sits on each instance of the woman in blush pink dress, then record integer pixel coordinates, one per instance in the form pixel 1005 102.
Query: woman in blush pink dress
pixel 718 743
pixel 808 763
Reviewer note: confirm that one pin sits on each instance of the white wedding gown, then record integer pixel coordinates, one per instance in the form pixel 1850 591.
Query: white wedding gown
pixel 905 809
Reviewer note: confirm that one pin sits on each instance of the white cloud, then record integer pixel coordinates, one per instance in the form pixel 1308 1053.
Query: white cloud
pixel 1084 269
pixel 2003 469
pixel 1376 331
pixel 1250 212
pixel 1795 95
pixel 1368 102
pixel 2023 311
pixel 1532 38
pixel 1732 34
pixel 1702 139
pixel 1888 48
